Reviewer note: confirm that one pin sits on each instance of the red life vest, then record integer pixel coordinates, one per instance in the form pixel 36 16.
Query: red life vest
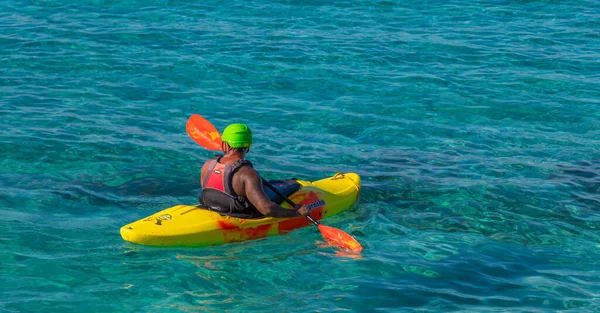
pixel 217 190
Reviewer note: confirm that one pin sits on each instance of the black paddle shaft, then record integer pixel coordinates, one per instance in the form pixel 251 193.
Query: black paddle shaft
pixel 268 184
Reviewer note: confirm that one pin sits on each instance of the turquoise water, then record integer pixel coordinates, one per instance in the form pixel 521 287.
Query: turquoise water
pixel 474 125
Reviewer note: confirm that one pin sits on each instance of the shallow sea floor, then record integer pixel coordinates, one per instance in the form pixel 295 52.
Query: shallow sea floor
pixel 475 127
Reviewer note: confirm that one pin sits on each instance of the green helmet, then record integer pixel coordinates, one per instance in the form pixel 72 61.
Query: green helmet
pixel 238 136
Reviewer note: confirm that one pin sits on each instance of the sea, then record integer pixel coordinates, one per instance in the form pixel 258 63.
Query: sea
pixel 474 125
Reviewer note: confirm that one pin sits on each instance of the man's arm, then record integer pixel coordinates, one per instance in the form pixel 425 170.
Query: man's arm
pixel 203 173
pixel 256 194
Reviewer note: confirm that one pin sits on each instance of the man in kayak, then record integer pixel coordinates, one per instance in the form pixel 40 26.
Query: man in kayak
pixel 231 186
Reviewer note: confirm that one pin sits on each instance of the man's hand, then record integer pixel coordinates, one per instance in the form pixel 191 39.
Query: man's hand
pixel 302 209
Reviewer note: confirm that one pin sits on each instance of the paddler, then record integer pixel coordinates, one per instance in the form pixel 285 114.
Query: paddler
pixel 230 185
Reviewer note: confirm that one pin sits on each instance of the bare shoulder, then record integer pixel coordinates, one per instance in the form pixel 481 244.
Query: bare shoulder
pixel 203 172
pixel 247 173
pixel 205 165
pixel 245 177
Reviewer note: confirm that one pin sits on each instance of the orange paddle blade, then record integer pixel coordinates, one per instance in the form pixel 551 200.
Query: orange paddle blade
pixel 338 238
pixel 203 132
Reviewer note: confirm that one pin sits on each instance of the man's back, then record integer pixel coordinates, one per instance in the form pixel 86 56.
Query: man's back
pixel 238 178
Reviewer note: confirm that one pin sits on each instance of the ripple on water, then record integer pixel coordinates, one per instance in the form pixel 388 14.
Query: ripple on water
pixel 474 128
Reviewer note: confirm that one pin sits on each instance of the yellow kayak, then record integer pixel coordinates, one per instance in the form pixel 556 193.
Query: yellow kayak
pixel 187 225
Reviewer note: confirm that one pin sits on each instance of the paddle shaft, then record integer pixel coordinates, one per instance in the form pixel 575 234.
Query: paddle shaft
pixel 268 184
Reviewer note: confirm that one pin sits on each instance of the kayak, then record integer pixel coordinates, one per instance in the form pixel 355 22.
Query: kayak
pixel 193 225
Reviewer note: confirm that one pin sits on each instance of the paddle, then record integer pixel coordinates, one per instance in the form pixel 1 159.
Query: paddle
pixel 207 136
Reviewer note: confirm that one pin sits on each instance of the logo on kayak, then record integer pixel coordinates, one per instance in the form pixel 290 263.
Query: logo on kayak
pixel 164 217
pixel 316 205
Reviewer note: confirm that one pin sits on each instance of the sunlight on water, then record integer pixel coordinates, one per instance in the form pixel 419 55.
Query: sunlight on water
pixel 474 127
